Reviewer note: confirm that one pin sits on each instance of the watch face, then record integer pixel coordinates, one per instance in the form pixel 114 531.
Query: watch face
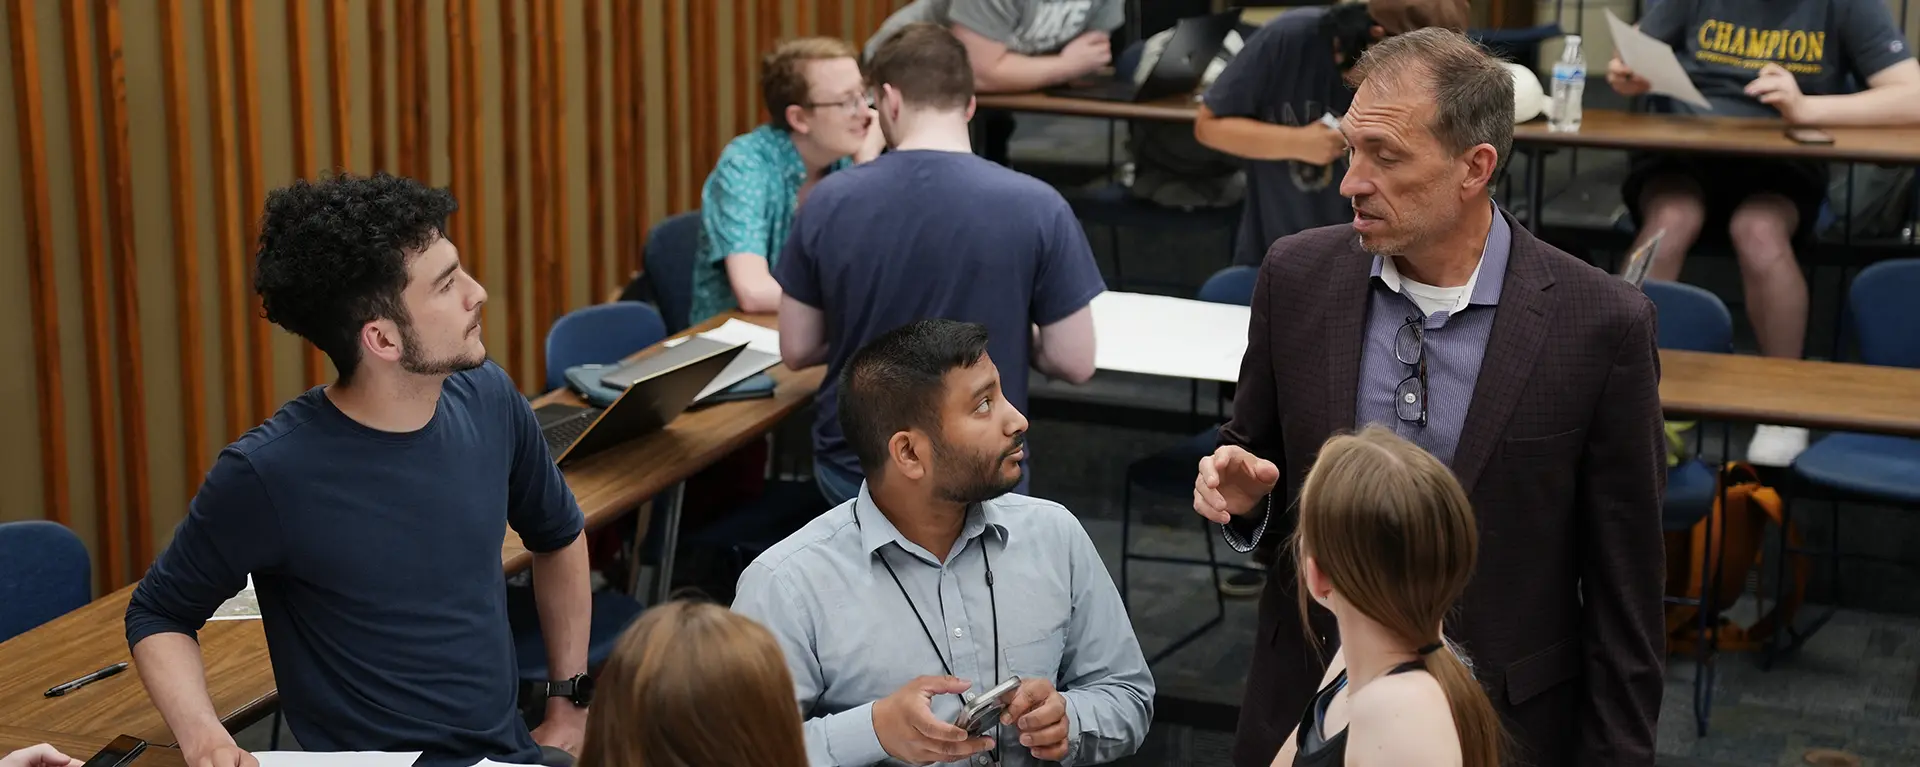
pixel 582 689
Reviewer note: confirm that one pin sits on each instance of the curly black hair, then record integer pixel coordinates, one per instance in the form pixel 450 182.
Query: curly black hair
pixel 333 256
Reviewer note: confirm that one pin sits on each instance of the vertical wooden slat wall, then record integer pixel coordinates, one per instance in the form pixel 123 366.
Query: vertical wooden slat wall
pixel 306 162
pixel 253 199
pixel 654 89
pixel 126 303
pixel 230 254
pixel 186 248
pixel 596 160
pixel 377 85
pixel 514 247
pixel 36 212
pixel 83 120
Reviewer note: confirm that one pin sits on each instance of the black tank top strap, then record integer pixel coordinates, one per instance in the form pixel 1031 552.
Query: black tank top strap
pixel 1412 665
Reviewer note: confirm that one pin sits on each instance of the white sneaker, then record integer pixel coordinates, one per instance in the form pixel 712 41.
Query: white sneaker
pixel 1776 445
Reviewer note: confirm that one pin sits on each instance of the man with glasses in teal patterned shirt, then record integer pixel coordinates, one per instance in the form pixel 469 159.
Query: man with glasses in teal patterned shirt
pixel 822 121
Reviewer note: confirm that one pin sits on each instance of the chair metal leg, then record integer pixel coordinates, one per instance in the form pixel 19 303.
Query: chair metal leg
pixel 1833 552
pixel 1126 540
pixel 1771 647
pixel 1707 621
pixel 273 738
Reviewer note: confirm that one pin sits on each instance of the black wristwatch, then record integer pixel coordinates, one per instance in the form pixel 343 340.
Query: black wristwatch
pixel 578 690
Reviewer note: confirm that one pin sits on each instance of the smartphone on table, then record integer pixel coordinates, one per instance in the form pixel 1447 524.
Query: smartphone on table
pixel 121 752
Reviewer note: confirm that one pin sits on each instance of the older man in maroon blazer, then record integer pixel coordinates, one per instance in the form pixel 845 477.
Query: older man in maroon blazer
pixel 1532 374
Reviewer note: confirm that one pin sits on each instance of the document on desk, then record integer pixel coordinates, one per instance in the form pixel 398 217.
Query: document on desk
pixel 1654 60
pixel 757 338
pixel 244 606
pixel 1168 336
pixel 337 758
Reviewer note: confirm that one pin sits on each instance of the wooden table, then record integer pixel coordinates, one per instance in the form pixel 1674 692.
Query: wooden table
pixel 1834 396
pixel 1172 109
pixel 239 675
pixel 1699 134
pixel 82 747
pixel 1703 134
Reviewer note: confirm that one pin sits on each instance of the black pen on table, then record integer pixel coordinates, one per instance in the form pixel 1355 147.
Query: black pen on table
pixel 67 687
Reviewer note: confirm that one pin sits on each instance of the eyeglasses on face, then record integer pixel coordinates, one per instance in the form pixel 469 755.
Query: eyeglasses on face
pixel 849 104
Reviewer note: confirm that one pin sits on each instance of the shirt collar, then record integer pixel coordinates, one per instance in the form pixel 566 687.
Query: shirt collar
pixel 877 531
pixel 1493 263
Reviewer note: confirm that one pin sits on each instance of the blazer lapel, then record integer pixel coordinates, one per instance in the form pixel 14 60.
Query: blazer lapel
pixel 1348 295
pixel 1519 327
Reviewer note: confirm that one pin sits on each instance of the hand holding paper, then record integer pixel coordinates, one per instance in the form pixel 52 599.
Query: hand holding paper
pixel 1651 60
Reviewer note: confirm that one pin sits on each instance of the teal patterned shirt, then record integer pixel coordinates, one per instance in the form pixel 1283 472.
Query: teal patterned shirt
pixel 746 206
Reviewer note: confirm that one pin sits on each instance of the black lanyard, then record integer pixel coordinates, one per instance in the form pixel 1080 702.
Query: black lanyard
pixel 993 604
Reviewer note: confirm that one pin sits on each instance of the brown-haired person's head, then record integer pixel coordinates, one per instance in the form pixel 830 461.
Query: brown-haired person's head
pixel 918 71
pixel 1431 122
pixel 813 89
pixel 1387 534
pixel 693 683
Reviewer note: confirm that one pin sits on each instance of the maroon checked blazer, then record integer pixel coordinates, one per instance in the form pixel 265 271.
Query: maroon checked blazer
pixel 1563 455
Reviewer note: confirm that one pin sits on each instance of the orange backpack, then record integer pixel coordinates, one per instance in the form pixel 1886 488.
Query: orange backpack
pixel 1743 509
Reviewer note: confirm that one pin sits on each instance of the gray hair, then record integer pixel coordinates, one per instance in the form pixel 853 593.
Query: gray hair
pixel 1472 91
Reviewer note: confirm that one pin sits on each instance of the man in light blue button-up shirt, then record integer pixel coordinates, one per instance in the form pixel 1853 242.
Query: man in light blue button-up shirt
pixel 935 572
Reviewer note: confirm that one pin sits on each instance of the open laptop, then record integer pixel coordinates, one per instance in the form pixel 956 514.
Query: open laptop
pixel 649 404
pixel 1179 70
pixel 749 362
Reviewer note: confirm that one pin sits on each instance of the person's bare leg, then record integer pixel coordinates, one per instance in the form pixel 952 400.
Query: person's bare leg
pixel 1762 230
pixel 1672 203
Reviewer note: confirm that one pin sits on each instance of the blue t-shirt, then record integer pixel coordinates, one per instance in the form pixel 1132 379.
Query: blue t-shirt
pixel 376 560
pixel 1285 75
pixel 922 234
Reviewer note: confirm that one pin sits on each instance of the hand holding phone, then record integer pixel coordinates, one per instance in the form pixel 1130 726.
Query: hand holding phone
pixel 1810 136
pixel 908 730
pixel 982 713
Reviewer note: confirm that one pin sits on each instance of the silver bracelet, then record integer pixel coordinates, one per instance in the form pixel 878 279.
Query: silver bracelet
pixel 1246 546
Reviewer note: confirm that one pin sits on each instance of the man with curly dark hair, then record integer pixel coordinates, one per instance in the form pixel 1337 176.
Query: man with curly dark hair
pixel 369 513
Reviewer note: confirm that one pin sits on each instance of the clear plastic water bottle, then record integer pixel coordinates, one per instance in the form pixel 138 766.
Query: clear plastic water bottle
pixel 1569 84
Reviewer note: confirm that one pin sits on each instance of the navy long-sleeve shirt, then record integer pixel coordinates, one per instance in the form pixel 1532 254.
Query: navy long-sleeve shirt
pixel 376 560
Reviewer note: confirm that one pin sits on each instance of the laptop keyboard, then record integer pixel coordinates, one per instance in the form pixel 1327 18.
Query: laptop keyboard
pixel 563 434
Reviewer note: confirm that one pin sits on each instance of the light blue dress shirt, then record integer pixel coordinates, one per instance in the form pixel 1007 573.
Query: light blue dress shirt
pixel 850 639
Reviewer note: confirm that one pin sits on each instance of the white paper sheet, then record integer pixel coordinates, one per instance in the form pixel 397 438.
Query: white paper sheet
pixel 1166 336
pixel 1654 60
pixel 337 758
pixel 244 606
pixel 757 338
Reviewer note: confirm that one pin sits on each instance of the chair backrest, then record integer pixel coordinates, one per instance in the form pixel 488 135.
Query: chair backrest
pixel 44 574
pixel 671 248
pixel 1691 318
pixel 1232 285
pixel 1886 323
pixel 602 333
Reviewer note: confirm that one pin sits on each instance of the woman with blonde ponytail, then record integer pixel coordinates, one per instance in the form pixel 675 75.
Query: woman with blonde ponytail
pixel 1386 542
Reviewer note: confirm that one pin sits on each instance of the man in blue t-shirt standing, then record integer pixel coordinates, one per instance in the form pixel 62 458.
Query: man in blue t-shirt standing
pixel 931 230
pixel 370 513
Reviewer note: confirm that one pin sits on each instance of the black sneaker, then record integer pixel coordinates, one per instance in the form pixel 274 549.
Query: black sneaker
pixel 1244 583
